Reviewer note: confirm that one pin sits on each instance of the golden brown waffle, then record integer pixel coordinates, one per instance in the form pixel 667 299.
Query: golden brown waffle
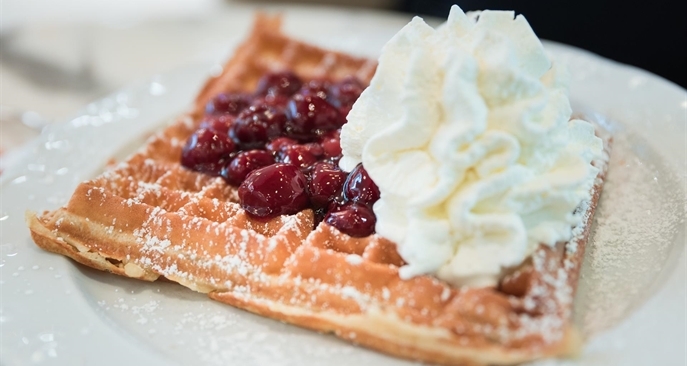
pixel 148 218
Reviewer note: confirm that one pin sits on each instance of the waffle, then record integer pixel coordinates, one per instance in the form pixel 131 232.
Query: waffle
pixel 148 218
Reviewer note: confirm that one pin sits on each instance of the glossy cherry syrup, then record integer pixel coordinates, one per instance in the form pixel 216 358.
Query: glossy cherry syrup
pixel 281 147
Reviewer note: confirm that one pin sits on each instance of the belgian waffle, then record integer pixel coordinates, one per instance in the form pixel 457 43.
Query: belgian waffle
pixel 148 217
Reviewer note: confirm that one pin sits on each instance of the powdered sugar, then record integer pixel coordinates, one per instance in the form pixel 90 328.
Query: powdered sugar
pixel 640 216
pixel 354 259
pixel 353 293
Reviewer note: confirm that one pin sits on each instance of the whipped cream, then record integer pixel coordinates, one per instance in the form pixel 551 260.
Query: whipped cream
pixel 466 130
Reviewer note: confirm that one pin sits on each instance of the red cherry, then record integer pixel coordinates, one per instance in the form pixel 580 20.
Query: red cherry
pixel 277 189
pixel 244 163
pixel 308 115
pixel 297 125
pixel 333 134
pixel 314 148
pixel 217 122
pixel 332 148
pixel 331 144
pixel 352 218
pixel 345 92
pixel 301 156
pixel 207 151
pixel 279 83
pixel 231 103
pixel 279 143
pixel 315 88
pixel 344 111
pixel 257 125
pixel 359 187
pixel 276 101
pixel 325 183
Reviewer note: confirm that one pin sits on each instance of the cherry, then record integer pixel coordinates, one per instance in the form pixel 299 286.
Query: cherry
pixel 207 151
pixel 279 143
pixel 345 92
pixel 331 144
pixel 313 148
pixel 325 183
pixel 297 125
pixel 359 187
pixel 276 101
pixel 277 189
pixel 308 114
pixel 217 122
pixel 352 218
pixel 279 83
pixel 257 125
pixel 301 156
pixel 316 88
pixel 231 103
pixel 244 163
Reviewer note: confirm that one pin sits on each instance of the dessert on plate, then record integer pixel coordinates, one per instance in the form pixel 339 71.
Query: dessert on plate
pixel 434 206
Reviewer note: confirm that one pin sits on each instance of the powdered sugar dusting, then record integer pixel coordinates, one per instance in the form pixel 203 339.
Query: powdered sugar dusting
pixel 640 216
pixel 354 259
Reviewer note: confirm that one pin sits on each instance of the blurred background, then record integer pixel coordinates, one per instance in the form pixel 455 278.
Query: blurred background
pixel 56 56
pixel 652 36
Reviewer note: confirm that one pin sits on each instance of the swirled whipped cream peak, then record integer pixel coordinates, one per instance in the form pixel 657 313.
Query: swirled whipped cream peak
pixel 467 131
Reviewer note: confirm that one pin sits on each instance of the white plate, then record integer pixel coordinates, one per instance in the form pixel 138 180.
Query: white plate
pixel 52 312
